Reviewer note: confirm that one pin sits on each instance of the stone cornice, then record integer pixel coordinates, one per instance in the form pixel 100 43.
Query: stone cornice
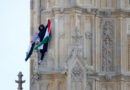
pixel 108 76
pixel 90 11
pixel 52 76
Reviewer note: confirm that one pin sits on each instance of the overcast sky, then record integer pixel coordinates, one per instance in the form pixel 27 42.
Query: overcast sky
pixel 14 42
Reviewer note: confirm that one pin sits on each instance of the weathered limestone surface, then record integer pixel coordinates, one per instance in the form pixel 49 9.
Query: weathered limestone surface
pixel 90 45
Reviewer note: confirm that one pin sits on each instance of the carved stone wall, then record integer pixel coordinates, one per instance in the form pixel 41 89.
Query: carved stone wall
pixel 90 45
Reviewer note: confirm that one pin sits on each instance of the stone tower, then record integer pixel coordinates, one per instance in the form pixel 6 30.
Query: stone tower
pixel 90 45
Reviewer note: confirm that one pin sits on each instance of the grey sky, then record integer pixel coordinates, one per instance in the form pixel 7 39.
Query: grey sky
pixel 14 41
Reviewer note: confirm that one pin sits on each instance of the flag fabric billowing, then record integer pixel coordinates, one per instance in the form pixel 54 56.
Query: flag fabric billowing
pixel 32 45
pixel 29 53
pixel 47 36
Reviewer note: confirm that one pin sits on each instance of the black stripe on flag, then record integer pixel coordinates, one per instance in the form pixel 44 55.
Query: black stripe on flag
pixel 30 52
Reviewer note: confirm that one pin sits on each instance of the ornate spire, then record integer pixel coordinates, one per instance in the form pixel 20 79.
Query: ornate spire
pixel 20 81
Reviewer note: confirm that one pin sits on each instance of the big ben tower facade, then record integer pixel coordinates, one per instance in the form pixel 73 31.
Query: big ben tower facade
pixel 90 45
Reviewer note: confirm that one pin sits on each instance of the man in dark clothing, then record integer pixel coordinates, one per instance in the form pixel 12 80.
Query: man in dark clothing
pixel 41 34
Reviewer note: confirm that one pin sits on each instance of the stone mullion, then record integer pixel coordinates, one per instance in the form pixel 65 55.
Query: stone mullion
pixel 93 41
pixel 85 47
pixel 56 42
pixel 67 33
pixel 118 45
pixel 121 30
pixel 122 85
pixel 124 29
pixel 122 43
pixel 98 44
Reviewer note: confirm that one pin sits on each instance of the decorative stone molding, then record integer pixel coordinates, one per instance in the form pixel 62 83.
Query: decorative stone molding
pixel 90 11
pixel 107 77
pixel 34 78
pixel 108 46
pixel 76 49
pixel 77 73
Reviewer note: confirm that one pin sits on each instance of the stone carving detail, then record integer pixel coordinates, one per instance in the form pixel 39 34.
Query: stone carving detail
pixel 34 78
pixel 76 49
pixel 77 73
pixel 77 35
pixel 77 78
pixel 107 46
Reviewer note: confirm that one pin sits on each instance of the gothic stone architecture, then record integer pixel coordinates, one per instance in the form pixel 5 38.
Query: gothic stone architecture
pixel 90 45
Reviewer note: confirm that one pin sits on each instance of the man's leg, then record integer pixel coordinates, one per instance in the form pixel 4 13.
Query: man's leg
pixel 43 51
pixel 41 57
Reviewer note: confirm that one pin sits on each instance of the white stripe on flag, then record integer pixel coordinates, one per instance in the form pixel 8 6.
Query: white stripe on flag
pixel 41 47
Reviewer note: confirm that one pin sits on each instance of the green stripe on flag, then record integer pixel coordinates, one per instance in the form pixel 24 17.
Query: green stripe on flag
pixel 43 41
pixel 26 53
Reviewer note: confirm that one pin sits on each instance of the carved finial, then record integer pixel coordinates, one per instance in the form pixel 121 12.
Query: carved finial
pixel 77 35
pixel 20 81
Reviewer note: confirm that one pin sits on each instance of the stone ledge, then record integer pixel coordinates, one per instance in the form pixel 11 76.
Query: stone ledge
pixel 89 11
pixel 109 76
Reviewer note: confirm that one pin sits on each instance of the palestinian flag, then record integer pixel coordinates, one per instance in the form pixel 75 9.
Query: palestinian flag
pixel 32 44
pixel 47 36
pixel 29 53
